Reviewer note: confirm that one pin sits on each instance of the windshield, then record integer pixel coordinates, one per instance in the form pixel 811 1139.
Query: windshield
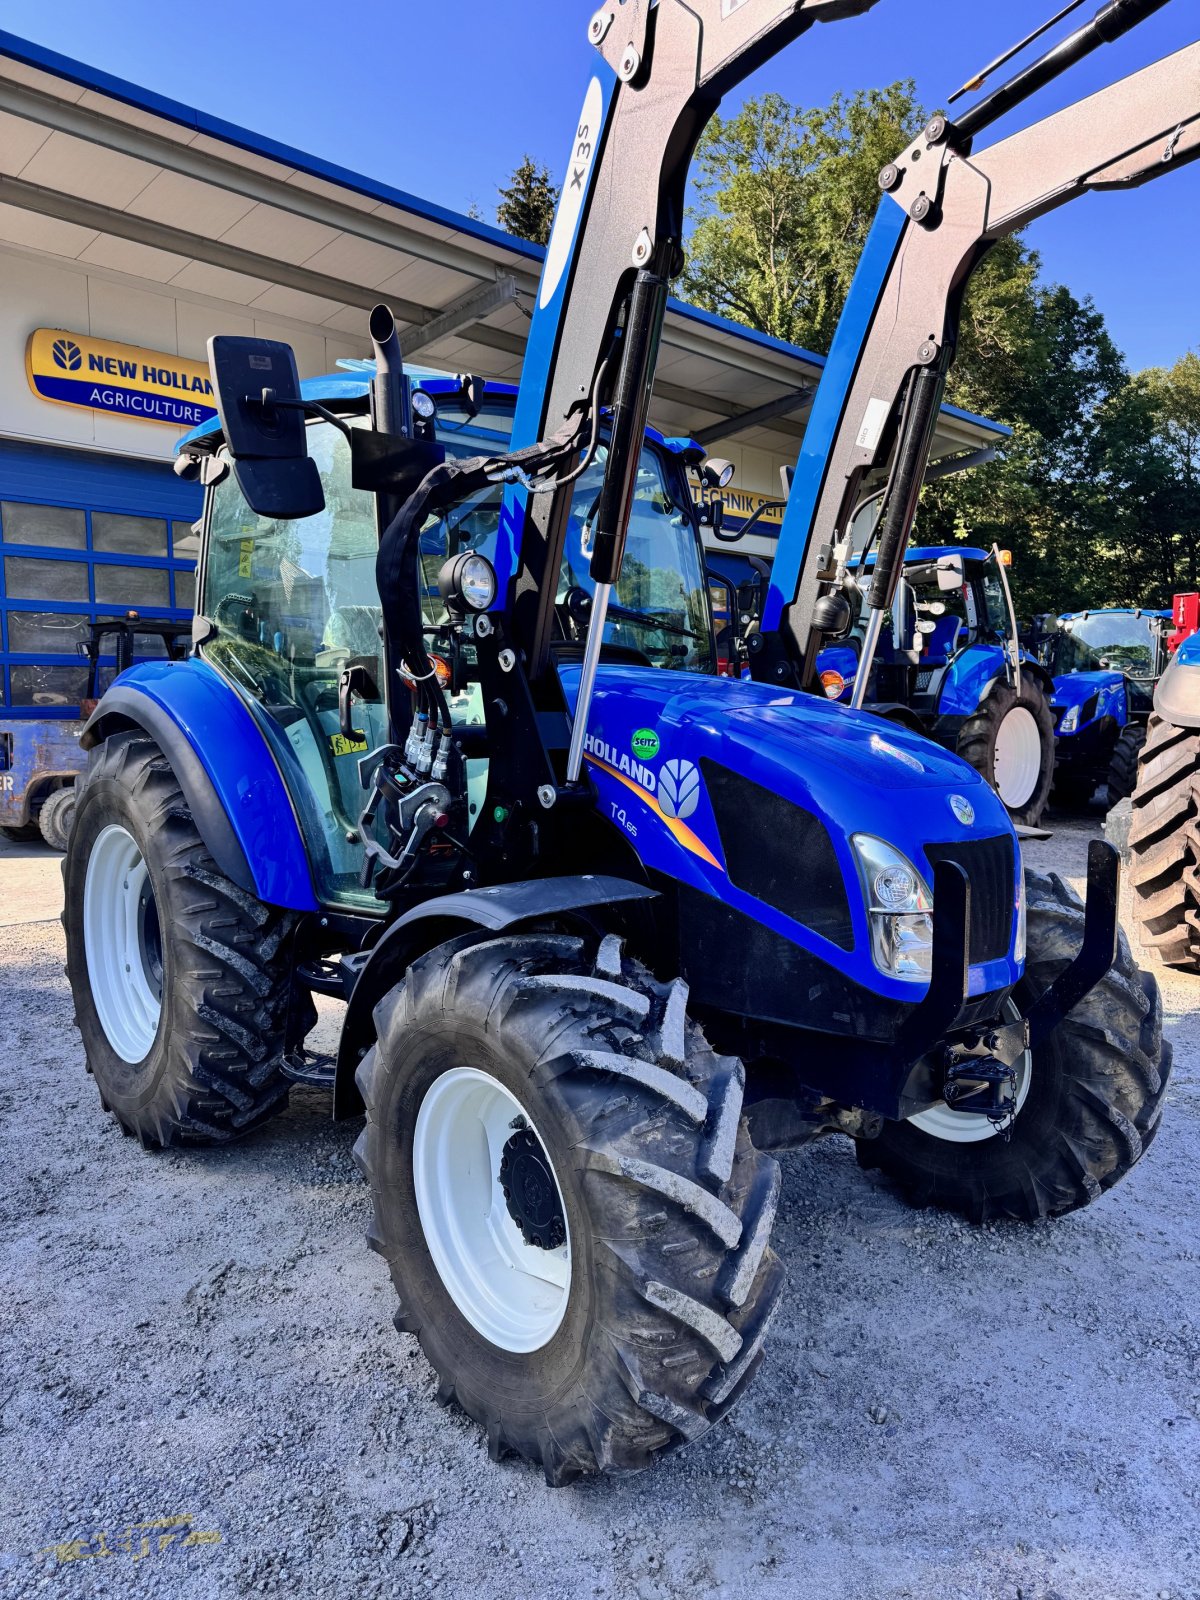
pixel 1112 641
pixel 995 605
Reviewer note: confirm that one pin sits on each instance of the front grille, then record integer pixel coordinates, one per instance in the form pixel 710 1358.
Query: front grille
pixel 989 866
pixel 779 853
pixel 924 679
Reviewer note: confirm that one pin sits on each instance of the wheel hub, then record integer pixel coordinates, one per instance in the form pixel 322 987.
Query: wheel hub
pixel 530 1192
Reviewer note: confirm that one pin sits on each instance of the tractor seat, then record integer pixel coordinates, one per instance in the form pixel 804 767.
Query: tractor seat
pixel 941 644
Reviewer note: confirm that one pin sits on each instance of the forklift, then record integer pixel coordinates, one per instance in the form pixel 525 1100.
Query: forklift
pixel 608 934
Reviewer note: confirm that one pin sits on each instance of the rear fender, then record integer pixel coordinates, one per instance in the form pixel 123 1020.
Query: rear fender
pixel 229 777
pixel 426 926
pixel 1177 698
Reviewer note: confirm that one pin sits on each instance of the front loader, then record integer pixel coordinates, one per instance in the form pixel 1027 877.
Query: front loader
pixel 608 932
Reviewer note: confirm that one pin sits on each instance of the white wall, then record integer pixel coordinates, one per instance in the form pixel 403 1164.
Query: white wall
pixel 40 291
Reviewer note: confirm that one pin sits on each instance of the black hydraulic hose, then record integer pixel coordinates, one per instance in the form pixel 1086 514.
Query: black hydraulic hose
pixel 908 477
pixel 1110 23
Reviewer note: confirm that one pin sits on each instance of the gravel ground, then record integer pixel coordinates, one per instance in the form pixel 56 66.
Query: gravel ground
pixel 201 1394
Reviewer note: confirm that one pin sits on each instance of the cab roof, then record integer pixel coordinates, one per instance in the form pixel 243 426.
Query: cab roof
pixel 353 384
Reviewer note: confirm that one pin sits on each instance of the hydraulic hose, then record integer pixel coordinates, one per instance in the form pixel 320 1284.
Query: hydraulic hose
pixel 1111 22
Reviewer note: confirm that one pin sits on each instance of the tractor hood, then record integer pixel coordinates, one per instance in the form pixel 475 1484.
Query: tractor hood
pixel 696 770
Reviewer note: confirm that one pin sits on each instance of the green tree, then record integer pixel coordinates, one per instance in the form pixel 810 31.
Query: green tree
pixel 527 203
pixel 1172 395
pixel 784 198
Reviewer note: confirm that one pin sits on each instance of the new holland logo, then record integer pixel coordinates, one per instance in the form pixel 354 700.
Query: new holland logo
pixel 679 789
pixel 77 369
pixel 67 355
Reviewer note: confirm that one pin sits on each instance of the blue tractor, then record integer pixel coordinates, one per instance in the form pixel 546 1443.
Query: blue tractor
pixel 1105 665
pixel 609 927
pixel 949 664
pixel 1164 833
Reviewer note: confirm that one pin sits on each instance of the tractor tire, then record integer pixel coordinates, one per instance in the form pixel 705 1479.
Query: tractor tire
pixel 646 1325
pixel 181 980
pixel 57 817
pixel 1164 845
pixel 998 741
pixel 1089 1098
pixel 1123 768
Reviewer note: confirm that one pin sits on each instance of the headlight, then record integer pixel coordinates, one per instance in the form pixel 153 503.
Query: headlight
pixel 468 581
pixel 899 909
pixel 1070 722
pixel 1022 914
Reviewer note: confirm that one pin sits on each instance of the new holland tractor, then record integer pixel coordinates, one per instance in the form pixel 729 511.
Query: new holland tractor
pixel 951 666
pixel 608 932
pixel 1105 664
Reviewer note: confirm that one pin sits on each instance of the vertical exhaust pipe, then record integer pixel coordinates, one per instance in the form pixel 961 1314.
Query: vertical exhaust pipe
pixel 391 410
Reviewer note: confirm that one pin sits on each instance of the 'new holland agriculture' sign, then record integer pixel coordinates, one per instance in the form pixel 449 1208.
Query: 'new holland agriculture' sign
pixel 73 369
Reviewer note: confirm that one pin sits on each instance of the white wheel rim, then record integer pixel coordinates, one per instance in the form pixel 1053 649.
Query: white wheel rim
pixel 968 1127
pixel 120 923
pixel 514 1294
pixel 1018 758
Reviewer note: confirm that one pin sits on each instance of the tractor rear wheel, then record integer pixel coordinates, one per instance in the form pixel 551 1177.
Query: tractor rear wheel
pixel 1123 768
pixel 1010 741
pixel 1164 845
pixel 180 979
pixel 1089 1099
pixel 566 1194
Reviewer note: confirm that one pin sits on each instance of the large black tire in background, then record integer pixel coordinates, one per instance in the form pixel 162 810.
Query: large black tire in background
pixel 1093 1102
pixel 666 1206
pixel 1164 844
pixel 1003 715
pixel 217 958
pixel 1123 768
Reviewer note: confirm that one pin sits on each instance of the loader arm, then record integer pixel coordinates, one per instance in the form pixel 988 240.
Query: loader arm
pixel 662 71
pixel 945 206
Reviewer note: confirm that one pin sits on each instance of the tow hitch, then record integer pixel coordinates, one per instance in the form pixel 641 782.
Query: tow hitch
pixel 979 1074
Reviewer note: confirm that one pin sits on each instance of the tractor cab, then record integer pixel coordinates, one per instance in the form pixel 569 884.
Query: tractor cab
pixel 948 643
pixel 290 613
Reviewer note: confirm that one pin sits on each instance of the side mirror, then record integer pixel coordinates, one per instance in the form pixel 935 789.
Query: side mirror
pixel 950 573
pixel 262 418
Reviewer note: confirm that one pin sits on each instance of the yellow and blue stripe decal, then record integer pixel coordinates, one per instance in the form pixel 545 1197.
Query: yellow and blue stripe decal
pixel 679 829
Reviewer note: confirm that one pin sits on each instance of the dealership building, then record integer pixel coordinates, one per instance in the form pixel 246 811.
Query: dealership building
pixel 132 228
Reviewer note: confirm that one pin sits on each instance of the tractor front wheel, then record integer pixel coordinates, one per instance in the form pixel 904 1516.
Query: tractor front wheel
pixel 1123 768
pixel 564 1189
pixel 1089 1098
pixel 1010 741
pixel 180 978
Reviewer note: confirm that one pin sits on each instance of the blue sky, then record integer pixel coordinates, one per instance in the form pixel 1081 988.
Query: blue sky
pixel 444 99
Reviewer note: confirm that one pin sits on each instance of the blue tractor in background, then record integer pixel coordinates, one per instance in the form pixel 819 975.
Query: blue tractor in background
pixel 1105 665
pixel 609 927
pixel 949 664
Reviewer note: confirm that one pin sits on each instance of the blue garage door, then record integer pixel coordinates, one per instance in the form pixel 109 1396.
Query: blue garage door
pixel 83 537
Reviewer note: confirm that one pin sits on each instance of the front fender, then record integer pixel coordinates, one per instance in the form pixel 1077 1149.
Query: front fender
pixel 225 768
pixel 1177 698
pixel 433 923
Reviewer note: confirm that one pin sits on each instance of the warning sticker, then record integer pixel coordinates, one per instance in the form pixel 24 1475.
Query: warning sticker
pixel 874 423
